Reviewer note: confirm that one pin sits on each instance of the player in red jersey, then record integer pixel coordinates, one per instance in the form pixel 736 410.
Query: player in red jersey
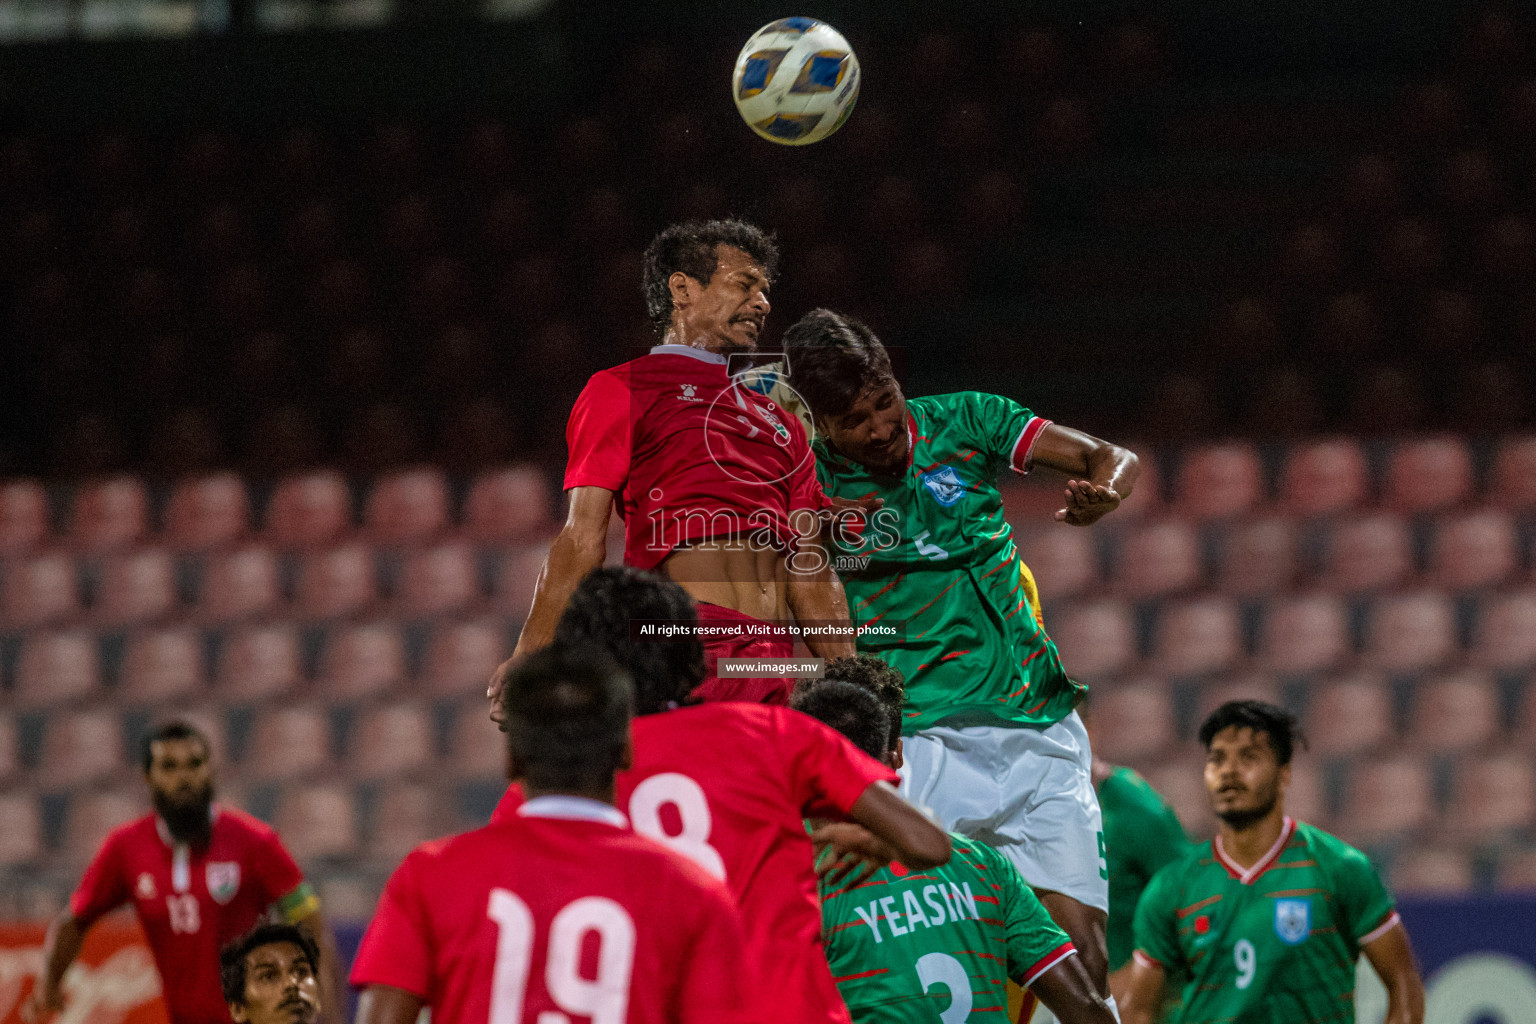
pixel 730 784
pixel 715 483
pixel 559 911
pixel 198 873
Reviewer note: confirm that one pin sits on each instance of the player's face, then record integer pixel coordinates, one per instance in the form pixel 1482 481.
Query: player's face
pixel 728 312
pixel 280 987
pixel 1243 776
pixel 180 775
pixel 873 431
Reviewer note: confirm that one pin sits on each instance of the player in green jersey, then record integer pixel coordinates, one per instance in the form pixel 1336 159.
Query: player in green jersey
pixel 989 722
pixel 912 947
pixel 1268 918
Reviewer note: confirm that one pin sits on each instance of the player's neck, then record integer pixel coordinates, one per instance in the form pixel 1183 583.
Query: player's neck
pixel 679 335
pixel 602 794
pixel 1247 845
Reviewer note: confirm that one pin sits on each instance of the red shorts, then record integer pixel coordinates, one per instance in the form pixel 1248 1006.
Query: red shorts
pixel 779 644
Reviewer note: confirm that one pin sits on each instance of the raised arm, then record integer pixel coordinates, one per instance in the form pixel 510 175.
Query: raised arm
pixel 917 841
pixel 1101 474
pixel 60 948
pixel 580 547
pixel 1392 958
pixel 816 593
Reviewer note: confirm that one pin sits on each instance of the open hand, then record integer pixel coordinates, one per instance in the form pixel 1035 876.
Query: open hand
pixel 847 854
pixel 1087 503
pixel 493 691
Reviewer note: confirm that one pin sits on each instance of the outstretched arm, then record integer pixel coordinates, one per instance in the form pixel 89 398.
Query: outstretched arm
pixel 1144 994
pixel 1392 958
pixel 580 547
pixel 60 948
pixel 917 842
pixel 815 594
pixel 1101 474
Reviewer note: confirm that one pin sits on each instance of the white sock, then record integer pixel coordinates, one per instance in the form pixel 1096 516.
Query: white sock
pixel 1109 1001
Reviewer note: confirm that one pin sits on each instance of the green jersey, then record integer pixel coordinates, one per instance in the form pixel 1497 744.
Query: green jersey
pixel 938 562
pixel 908 947
pixel 1275 944
pixel 1141 834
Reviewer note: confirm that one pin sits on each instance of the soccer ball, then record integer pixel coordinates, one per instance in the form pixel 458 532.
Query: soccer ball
pixel 796 81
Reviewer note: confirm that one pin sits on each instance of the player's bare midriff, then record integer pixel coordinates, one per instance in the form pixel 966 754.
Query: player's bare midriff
pixel 754 583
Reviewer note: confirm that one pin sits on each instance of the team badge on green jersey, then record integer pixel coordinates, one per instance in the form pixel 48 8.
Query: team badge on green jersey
pixel 945 485
pixel 1293 920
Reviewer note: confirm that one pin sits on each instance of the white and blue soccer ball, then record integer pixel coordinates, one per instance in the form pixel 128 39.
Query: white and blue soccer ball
pixel 796 81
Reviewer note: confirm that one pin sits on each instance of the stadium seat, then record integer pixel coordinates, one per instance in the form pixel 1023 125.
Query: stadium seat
pixel 336 582
pixel 407 814
pixel 38 591
pixel 257 662
pixel 318 821
pixel 1506 632
pixel 1220 482
pixel 1517 870
pixel 80 747
pixel 517 576
pixel 1368 553
pixel 93 813
pixel 240 584
pixel 1196 637
pixel 1132 723
pixel 1325 478
pixel 476 748
pixel 21 829
pixel 1429 475
pixel 287 741
pixel 1493 794
pixel 1351 715
pixel 1307 798
pixel 1455 712
pixel 1181 781
pixel 10 749
pixel 1260 557
pixel 162 665
pixel 23 517
pixel 1385 799
pixel 1159 559
pixel 440 579
pixel 1062 561
pixel 1476 550
pixel 508 506
pixel 207 718
pixel 1514 473
pixel 136 587
pixel 407 507
pixel 1411 632
pixel 361 660
pixel 1096 639
pixel 57 667
pixel 462 655
pixel 309 511
pixel 1244 686
pixel 207 513
pixel 1305 634
pixel 1432 871
pixel 392 740
pixel 108 514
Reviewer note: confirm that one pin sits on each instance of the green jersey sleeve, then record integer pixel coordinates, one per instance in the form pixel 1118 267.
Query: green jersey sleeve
pixel 1035 942
pixel 1366 906
pixel 999 427
pixel 1157 929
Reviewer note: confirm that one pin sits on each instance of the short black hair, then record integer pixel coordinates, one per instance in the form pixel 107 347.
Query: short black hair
pixel 692 247
pixel 176 729
pixel 880 678
pixel 567 710
pixel 232 956
pixel 1282 728
pixel 852 710
pixel 664 670
pixel 833 359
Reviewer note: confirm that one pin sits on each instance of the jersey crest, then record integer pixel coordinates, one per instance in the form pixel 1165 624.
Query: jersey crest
pixel 945 485
pixel 1293 920
pixel 223 880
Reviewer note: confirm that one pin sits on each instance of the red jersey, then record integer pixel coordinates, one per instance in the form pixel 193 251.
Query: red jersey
pixel 559 911
pixel 691 453
pixel 730 786
pixel 193 901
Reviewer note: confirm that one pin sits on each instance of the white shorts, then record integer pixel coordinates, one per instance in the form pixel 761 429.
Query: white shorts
pixel 1027 793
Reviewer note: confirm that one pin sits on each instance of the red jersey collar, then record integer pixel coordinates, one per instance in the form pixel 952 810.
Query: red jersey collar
pixel 702 354
pixel 573 808
pixel 1263 864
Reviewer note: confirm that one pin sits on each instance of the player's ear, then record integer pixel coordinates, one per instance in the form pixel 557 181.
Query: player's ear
pixel 238 1014
pixel 681 286
pixel 1284 779
pixel 896 758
